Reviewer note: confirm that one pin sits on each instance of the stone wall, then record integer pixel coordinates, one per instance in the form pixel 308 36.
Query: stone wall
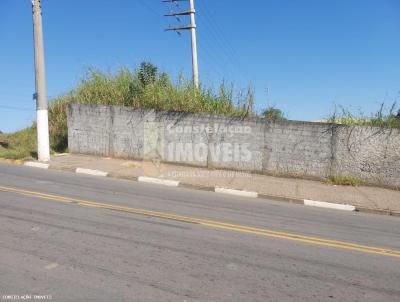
pixel 290 148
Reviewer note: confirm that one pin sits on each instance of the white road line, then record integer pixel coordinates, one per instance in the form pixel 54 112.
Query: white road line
pixel 36 165
pixel 159 181
pixel 91 172
pixel 328 205
pixel 236 192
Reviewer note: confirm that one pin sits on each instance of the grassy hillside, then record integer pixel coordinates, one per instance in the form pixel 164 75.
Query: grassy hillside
pixel 19 145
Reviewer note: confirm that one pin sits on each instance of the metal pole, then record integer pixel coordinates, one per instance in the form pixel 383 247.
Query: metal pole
pixel 194 45
pixel 42 119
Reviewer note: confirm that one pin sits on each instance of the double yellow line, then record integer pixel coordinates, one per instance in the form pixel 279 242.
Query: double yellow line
pixel 210 223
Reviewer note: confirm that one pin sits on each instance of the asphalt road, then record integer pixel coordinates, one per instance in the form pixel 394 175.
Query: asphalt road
pixel 79 238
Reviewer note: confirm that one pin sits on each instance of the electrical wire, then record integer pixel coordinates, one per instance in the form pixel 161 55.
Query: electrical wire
pixel 16 108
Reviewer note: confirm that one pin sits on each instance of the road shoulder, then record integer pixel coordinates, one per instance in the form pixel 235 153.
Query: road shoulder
pixel 312 193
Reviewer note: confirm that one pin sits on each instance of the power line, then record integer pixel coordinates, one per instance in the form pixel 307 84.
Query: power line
pixel 16 108
pixel 222 62
pixel 215 31
pixel 214 47
pixel 216 28
pixel 148 7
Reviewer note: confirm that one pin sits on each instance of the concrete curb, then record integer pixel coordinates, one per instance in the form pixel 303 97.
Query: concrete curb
pixel 236 192
pixel 159 181
pixel 282 198
pixel 329 205
pixel 212 189
pixel 196 187
pixel 91 172
pixel 34 164
pixel 378 211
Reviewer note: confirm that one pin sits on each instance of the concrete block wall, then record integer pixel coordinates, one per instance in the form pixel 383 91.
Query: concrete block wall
pixel 182 137
pixel 298 149
pixel 370 154
pixel 241 135
pixel 90 130
pixel 290 148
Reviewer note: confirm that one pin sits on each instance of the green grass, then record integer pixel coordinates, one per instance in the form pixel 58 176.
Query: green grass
pixel 344 180
pixel 144 87
pixel 384 117
pixel 21 144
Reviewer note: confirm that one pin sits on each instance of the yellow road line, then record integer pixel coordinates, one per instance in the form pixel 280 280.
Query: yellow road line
pixel 210 223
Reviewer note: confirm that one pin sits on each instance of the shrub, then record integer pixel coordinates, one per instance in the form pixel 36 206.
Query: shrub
pixel 274 114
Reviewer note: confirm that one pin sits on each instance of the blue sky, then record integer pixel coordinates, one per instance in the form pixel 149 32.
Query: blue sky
pixel 301 56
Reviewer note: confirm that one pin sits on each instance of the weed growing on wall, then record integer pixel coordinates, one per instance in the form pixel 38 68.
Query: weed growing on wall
pixel 384 117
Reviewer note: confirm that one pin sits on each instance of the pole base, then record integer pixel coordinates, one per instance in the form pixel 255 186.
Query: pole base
pixel 43 141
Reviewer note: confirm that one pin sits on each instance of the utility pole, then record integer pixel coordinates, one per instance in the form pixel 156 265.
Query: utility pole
pixel 42 119
pixel 192 27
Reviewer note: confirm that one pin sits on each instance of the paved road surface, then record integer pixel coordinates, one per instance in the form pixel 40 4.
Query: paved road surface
pixel 81 238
